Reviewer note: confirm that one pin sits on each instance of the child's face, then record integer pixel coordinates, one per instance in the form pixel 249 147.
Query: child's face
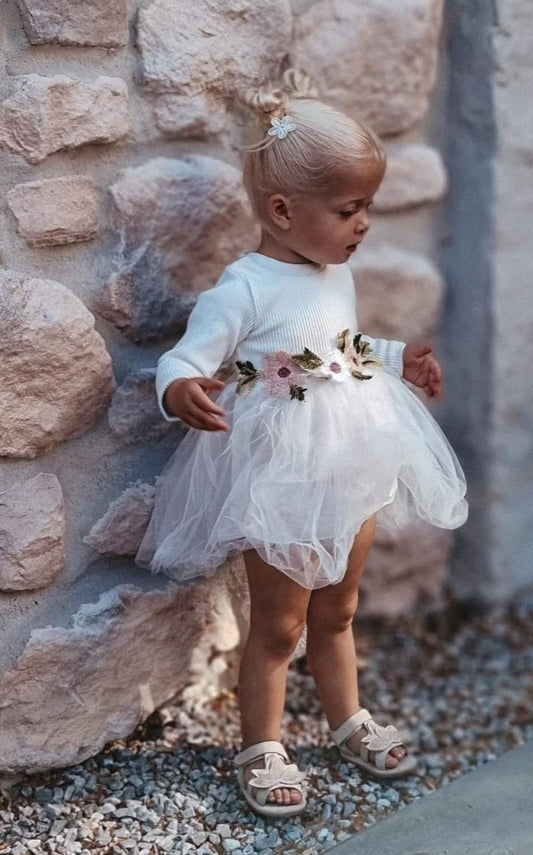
pixel 327 229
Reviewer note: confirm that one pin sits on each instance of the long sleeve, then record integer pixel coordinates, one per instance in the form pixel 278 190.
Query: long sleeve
pixel 221 318
pixel 390 352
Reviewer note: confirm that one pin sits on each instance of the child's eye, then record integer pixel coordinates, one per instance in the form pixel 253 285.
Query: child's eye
pixel 347 214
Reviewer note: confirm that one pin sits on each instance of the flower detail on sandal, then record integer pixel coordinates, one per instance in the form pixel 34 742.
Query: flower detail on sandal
pixel 277 773
pixel 378 737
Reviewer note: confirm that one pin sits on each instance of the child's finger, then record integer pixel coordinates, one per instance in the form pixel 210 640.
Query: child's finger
pixel 207 421
pixel 203 401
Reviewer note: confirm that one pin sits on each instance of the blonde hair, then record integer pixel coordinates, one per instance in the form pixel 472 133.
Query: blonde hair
pixel 308 160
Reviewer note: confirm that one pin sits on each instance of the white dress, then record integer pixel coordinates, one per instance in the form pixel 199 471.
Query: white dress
pixel 321 438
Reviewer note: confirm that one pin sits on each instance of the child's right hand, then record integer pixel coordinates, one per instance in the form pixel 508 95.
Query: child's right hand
pixel 187 398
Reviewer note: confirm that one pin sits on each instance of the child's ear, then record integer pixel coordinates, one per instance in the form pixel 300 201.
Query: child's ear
pixel 279 210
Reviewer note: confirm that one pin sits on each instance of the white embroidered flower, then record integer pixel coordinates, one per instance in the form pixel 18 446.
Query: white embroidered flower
pixel 379 738
pixel 277 773
pixel 281 127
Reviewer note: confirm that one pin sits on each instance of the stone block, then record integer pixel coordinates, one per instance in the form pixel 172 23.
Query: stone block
pixel 83 22
pixel 56 378
pixel 184 116
pixel 415 175
pixel 47 114
pixel 399 294
pixel 32 529
pixel 406 572
pixel 375 61
pixel 55 211
pixel 180 222
pixel 121 529
pixel 212 45
pixel 134 415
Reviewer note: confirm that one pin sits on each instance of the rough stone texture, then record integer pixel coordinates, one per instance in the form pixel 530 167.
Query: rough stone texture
pixel 54 211
pixel 75 689
pixel 134 415
pixel 406 572
pixel 399 294
pixel 376 61
pixel 190 117
pixel 32 528
pixel 55 371
pixel 180 222
pixel 82 22
pixel 216 45
pixel 415 175
pixel 46 114
pixel 122 527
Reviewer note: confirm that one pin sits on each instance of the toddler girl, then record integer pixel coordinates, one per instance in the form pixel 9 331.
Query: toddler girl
pixel 314 440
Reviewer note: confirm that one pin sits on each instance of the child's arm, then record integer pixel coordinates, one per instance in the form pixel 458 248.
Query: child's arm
pixel 222 317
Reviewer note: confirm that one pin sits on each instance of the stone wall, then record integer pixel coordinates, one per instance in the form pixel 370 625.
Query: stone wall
pixel 121 152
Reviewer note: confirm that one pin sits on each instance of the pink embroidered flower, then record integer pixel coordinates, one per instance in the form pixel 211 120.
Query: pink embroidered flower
pixel 281 374
pixel 334 367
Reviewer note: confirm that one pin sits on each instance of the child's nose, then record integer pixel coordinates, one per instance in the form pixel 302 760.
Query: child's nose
pixel 362 223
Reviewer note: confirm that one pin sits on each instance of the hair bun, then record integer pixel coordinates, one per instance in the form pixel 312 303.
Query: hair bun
pixel 299 84
pixel 266 102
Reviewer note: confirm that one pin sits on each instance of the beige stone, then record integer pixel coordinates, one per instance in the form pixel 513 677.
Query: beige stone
pixel 399 293
pixel 134 415
pixel 376 61
pixel 122 527
pixel 180 222
pixel 406 572
pixel 215 45
pixel 56 378
pixel 46 114
pixel 32 530
pixel 124 656
pixel 415 175
pixel 198 117
pixel 55 211
pixel 83 22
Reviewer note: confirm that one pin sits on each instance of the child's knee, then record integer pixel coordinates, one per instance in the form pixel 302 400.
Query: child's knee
pixel 332 619
pixel 278 638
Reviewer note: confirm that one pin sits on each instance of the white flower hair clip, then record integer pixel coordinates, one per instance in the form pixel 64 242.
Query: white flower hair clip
pixel 281 127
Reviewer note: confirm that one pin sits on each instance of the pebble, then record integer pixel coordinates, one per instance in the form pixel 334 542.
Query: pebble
pixel 177 793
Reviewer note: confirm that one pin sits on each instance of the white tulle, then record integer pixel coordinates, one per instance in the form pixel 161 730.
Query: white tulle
pixel 295 480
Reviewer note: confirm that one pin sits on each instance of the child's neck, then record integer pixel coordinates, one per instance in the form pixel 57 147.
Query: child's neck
pixel 274 249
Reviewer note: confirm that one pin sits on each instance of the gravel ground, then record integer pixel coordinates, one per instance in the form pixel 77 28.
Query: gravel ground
pixel 459 687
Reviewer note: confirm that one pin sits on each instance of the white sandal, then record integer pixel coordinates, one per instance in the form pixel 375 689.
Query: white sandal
pixel 379 739
pixel 278 772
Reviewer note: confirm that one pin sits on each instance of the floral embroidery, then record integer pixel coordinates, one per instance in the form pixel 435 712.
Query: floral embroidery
pixel 357 355
pixel 283 373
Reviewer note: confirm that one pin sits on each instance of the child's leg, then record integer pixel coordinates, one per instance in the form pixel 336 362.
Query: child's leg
pixel 278 609
pixel 331 652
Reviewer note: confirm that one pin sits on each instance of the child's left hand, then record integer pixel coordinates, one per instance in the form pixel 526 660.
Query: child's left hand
pixel 422 369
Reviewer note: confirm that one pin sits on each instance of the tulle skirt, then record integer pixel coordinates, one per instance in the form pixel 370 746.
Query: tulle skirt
pixel 295 480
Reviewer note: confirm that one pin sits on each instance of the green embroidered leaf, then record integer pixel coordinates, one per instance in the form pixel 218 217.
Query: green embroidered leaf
pixel 247 368
pixel 307 359
pixel 244 384
pixel 356 341
pixel 342 340
pixel 298 393
pixel 359 376
pixel 365 348
pixel 376 362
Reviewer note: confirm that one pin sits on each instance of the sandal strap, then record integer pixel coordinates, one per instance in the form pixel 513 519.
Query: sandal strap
pixel 257 750
pixel 350 726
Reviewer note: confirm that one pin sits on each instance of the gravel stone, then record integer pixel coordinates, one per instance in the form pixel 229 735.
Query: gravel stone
pixel 176 792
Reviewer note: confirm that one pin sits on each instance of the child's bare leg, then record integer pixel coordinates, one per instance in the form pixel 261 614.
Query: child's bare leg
pixel 277 617
pixel 330 643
